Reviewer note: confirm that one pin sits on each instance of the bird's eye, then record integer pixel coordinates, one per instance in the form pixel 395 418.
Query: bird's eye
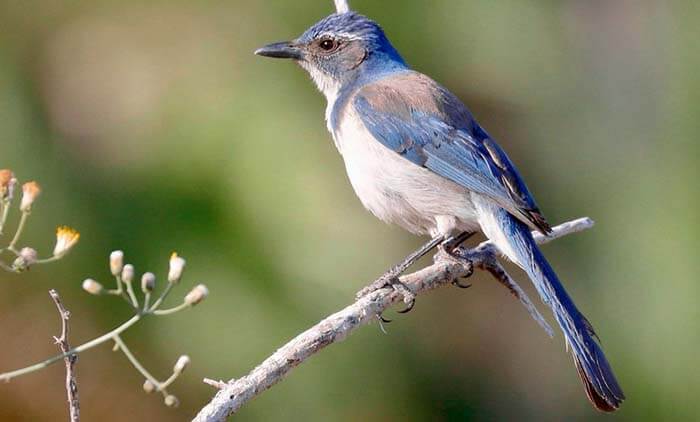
pixel 328 44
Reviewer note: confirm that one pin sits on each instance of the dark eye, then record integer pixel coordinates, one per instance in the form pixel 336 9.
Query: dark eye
pixel 328 44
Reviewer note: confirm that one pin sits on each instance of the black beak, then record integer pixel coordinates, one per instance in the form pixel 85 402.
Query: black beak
pixel 280 50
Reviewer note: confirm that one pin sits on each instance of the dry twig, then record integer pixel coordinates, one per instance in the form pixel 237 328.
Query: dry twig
pixel 236 393
pixel 69 359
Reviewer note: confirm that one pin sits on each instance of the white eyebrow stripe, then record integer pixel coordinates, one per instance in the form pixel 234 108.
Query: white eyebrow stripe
pixel 347 35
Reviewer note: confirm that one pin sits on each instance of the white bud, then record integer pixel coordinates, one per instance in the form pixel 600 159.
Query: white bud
pixel 171 401
pixel 116 262
pixel 177 266
pixel 148 282
pixel 128 273
pixel 148 387
pixel 27 257
pixel 30 191
pixel 11 189
pixel 196 295
pixel 93 287
pixel 181 364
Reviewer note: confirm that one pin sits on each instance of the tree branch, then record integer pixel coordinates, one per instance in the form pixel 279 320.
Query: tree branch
pixel 69 359
pixel 234 394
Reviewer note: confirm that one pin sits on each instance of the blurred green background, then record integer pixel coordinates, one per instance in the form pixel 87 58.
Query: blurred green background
pixel 152 128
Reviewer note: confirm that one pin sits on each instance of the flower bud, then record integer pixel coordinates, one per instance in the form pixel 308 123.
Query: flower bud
pixel 171 401
pixel 181 364
pixel 128 273
pixel 148 387
pixel 116 262
pixel 66 238
pixel 30 191
pixel 196 295
pixel 93 287
pixel 6 183
pixel 26 258
pixel 148 282
pixel 177 265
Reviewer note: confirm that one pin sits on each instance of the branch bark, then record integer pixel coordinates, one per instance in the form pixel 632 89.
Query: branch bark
pixel 69 359
pixel 234 394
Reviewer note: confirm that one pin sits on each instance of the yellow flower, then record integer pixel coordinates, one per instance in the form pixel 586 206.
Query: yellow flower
pixel 7 181
pixel 30 191
pixel 66 238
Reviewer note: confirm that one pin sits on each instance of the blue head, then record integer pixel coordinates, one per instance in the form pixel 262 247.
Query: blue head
pixel 340 50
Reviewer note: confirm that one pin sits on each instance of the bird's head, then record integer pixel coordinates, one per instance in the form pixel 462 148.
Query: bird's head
pixel 338 50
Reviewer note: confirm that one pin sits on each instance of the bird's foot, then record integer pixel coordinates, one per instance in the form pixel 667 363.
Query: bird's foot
pixel 450 253
pixel 390 279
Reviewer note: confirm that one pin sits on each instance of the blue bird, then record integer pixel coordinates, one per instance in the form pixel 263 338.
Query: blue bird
pixel 416 157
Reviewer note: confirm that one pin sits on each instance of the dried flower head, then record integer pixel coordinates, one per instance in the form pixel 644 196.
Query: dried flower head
pixel 148 282
pixel 171 401
pixel 93 287
pixel 197 294
pixel 30 191
pixel 66 238
pixel 177 265
pixel 148 387
pixel 116 262
pixel 6 178
pixel 26 258
pixel 128 273
pixel 181 364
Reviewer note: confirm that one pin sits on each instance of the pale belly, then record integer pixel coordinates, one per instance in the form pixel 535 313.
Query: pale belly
pixel 400 192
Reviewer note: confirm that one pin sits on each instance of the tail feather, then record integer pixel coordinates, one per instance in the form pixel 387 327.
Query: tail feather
pixel 515 241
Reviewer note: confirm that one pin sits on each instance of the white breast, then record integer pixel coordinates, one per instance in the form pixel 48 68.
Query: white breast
pixel 398 191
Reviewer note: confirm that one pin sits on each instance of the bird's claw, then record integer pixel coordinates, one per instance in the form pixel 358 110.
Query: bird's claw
pixel 388 281
pixel 456 282
pixel 454 256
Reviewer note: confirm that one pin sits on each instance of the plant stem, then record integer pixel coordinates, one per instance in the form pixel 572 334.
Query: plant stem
pixel 165 384
pixel 83 347
pixel 7 267
pixel 4 212
pixel 162 297
pixel 146 301
pixel 132 296
pixel 177 308
pixel 18 233
pixel 48 260
pixel 136 364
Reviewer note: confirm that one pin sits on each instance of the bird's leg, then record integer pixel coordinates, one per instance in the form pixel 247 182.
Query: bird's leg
pixel 391 277
pixel 453 242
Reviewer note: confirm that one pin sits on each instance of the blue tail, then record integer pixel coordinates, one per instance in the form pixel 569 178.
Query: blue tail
pixel 515 240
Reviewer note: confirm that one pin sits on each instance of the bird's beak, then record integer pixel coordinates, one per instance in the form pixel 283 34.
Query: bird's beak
pixel 280 50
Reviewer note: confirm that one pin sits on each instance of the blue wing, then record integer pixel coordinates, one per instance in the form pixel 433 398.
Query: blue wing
pixel 422 121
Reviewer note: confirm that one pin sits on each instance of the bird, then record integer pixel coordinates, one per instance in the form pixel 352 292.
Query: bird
pixel 416 157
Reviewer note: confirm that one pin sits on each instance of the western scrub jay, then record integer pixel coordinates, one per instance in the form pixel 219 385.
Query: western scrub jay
pixel 416 157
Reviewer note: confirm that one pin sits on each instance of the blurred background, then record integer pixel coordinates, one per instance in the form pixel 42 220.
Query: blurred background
pixel 152 127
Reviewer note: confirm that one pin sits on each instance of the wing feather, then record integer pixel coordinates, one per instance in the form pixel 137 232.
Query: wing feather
pixel 422 121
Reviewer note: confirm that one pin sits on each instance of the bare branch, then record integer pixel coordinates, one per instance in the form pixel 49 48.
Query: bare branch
pixel 338 326
pixel 69 359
